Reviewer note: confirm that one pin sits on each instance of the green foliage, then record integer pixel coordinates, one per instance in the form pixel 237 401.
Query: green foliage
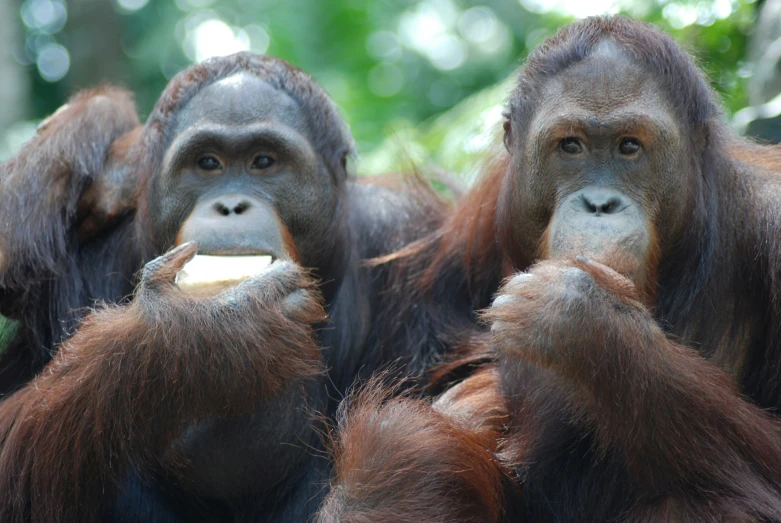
pixel 389 64
pixel 457 140
pixel 7 330
pixel 360 52
pixel 720 46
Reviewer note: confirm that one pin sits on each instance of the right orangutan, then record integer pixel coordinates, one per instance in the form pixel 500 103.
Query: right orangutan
pixel 635 369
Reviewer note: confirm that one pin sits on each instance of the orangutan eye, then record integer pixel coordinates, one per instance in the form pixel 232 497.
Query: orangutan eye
pixel 263 162
pixel 209 163
pixel 629 146
pixel 571 145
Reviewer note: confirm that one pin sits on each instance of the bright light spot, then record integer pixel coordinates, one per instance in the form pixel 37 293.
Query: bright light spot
pixel 746 69
pixel 484 135
pixel 241 39
pixel 385 79
pixel 478 24
pixel 383 45
pixel 745 116
pixel 131 5
pixel 446 10
pixel 53 62
pixel 705 14
pixel 577 8
pixel 419 30
pixel 722 9
pixel 500 42
pixel 680 16
pixel 44 15
pixel 214 37
pixel 185 30
pixel 477 142
pixel 429 30
pixel 258 38
pixel 447 53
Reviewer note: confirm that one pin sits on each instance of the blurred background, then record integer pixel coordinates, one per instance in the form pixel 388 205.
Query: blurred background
pixel 421 82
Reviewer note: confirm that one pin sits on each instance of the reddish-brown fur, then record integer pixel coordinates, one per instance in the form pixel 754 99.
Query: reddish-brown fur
pixel 69 436
pixel 399 460
pixel 112 193
pixel 622 403
pixel 289 243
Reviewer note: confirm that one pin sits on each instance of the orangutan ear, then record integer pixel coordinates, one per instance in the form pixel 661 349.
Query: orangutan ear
pixel 508 137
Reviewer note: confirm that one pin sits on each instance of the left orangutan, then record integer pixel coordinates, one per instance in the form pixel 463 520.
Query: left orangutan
pixel 173 405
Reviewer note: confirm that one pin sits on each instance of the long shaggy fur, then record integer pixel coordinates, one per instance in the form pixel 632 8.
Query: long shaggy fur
pixel 400 460
pixel 124 389
pixel 658 404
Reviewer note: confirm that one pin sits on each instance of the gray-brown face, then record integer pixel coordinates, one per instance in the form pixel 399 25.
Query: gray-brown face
pixel 603 166
pixel 241 175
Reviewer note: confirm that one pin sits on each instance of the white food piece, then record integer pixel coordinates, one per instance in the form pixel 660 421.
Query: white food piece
pixel 219 272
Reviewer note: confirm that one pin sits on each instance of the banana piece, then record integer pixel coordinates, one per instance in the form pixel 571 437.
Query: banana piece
pixel 215 273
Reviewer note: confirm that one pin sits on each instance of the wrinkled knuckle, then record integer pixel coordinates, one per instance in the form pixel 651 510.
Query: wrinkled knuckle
pixel 151 269
pixel 281 271
pixel 298 299
pixel 502 300
pixel 295 276
pixel 519 281
pixel 287 266
pixel 522 278
pixel 230 299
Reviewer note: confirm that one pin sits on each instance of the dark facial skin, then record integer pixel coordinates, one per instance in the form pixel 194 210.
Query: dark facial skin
pixel 241 176
pixel 604 159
